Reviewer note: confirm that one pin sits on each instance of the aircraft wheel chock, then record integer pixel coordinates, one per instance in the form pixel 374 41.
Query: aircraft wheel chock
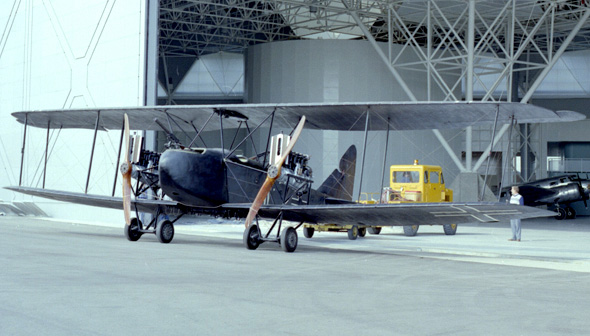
pixel 570 213
pixel 132 232
pixel 450 229
pixel 561 213
pixel 165 231
pixel 308 232
pixel 374 230
pixel 411 230
pixel 289 239
pixel 362 232
pixel 353 232
pixel 251 237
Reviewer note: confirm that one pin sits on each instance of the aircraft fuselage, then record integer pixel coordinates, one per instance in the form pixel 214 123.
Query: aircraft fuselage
pixel 208 178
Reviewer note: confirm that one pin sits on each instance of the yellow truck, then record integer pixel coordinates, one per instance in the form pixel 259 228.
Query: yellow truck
pixel 407 184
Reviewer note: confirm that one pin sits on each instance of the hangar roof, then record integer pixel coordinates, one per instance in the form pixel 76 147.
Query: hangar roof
pixel 196 27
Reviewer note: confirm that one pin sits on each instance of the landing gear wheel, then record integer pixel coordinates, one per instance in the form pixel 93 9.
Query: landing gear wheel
pixel 570 213
pixel 251 237
pixel 450 229
pixel 411 230
pixel 289 239
pixel 308 232
pixel 132 232
pixel 374 230
pixel 165 231
pixel 561 213
pixel 353 232
pixel 362 232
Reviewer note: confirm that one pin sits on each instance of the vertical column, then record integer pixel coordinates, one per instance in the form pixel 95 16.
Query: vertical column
pixel 469 80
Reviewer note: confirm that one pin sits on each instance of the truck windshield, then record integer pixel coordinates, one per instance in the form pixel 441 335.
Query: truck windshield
pixel 406 177
pixel 434 177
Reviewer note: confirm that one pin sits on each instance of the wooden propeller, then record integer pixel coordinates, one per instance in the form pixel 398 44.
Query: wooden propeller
pixel 274 172
pixel 126 173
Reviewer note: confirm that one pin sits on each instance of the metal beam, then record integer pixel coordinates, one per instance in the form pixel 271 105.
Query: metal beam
pixel 449 150
pixel 382 55
pixel 556 56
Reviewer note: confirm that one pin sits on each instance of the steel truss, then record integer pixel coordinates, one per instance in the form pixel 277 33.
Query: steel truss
pixel 516 42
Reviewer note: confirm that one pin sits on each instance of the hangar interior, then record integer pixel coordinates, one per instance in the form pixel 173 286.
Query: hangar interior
pixel 114 53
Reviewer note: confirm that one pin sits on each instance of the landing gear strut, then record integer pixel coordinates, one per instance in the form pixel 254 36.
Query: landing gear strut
pixel 287 237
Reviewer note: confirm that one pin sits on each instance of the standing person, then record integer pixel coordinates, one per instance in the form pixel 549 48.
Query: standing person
pixel 516 198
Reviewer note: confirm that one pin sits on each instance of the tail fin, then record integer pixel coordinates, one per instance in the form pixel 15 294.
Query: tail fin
pixel 340 183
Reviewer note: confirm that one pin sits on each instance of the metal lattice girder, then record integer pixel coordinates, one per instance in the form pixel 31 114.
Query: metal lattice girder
pixel 436 31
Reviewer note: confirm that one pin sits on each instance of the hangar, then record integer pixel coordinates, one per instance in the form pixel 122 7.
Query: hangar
pixel 114 53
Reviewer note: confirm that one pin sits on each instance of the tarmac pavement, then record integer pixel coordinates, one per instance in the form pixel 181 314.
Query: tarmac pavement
pixel 61 278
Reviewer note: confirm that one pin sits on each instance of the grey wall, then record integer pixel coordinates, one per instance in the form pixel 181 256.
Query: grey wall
pixel 345 71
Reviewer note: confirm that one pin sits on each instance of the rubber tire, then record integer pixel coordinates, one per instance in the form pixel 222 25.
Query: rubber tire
pixel 411 230
pixel 561 213
pixel 132 230
pixel 165 231
pixel 289 239
pixel 570 213
pixel 308 232
pixel 374 230
pixel 450 229
pixel 251 237
pixel 362 232
pixel 353 233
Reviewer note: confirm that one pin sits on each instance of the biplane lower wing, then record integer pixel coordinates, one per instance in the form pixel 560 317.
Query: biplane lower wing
pixel 141 205
pixel 401 214
pixel 334 214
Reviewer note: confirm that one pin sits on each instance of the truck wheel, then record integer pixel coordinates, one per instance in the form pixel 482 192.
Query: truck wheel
pixel 308 232
pixel 450 229
pixel 411 230
pixel 362 232
pixel 353 232
pixel 374 230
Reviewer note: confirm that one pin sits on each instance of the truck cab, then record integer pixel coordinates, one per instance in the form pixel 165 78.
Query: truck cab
pixel 416 183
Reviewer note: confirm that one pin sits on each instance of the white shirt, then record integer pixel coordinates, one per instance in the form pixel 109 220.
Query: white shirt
pixel 517 199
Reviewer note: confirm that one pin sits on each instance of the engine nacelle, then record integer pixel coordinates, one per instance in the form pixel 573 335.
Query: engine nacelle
pixel 564 194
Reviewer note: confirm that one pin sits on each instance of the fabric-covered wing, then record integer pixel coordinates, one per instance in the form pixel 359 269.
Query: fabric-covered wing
pixel 404 214
pixel 142 205
pixel 326 116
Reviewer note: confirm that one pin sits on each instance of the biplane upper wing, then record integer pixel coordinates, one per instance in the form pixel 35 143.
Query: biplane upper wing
pixel 326 116
pixel 339 214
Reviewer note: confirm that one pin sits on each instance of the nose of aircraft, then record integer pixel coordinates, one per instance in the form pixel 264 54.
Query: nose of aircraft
pixel 193 177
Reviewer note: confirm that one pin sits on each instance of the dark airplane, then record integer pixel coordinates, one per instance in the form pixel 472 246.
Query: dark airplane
pixel 274 183
pixel 558 192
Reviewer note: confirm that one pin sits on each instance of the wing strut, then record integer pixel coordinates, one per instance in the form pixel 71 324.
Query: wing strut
pixel 364 153
pixel 92 151
pixel 22 158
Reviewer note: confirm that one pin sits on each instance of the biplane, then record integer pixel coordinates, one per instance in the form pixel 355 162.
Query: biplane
pixel 275 183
